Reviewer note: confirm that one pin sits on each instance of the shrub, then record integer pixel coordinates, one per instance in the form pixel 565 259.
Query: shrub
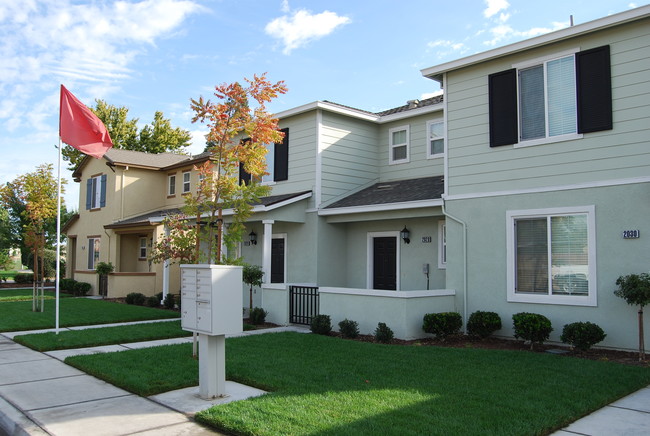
pixel 383 333
pixel 81 288
pixel 257 316
pixel 135 298
pixel 349 328
pixel 582 335
pixel 321 325
pixel 104 268
pixel 153 301
pixel 483 324
pixel 67 285
pixel 442 324
pixel 531 327
pixel 170 301
pixel 24 278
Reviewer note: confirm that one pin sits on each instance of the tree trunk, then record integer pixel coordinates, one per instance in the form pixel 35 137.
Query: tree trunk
pixel 641 339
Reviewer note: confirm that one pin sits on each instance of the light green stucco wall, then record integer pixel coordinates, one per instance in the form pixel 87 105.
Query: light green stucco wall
pixel 617 208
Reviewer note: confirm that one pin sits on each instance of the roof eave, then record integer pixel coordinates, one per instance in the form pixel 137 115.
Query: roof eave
pixel 436 72
pixel 380 207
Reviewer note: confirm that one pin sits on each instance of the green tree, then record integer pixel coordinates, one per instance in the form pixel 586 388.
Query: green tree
pixel 156 137
pixel 635 290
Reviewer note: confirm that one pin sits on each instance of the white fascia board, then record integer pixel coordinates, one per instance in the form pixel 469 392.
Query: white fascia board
pixel 411 113
pixel 328 107
pixel 437 71
pixel 380 207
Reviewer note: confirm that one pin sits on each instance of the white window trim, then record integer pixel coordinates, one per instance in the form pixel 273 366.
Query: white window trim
pixel 170 184
pixel 187 185
pixel 370 257
pixel 391 161
pixel 431 155
pixel 140 247
pixel 548 139
pixel 442 244
pixel 91 249
pixel 96 195
pixel 570 300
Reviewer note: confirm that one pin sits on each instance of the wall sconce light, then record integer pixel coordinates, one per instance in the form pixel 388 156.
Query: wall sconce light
pixel 252 237
pixel 405 234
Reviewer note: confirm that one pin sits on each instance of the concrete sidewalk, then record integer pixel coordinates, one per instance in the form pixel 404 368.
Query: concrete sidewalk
pixel 41 395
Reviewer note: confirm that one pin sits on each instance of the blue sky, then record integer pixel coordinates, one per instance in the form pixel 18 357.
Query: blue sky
pixel 151 55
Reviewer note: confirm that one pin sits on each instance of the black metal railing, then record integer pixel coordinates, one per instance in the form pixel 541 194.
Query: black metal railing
pixel 303 304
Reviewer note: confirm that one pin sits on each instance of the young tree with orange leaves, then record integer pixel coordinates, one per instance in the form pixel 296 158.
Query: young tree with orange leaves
pixel 240 128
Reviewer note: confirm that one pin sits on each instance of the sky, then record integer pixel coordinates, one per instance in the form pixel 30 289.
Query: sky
pixel 156 55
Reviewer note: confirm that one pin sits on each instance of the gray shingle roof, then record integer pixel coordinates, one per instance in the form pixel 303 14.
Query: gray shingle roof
pixel 129 157
pixel 414 104
pixel 399 191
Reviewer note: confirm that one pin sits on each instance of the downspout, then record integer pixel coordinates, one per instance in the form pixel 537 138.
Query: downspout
pixel 464 225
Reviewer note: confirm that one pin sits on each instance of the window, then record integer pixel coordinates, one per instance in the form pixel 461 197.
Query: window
pixel 435 138
pixel 186 182
pixel 442 245
pixel 172 185
pixel 96 192
pixel 551 99
pixel 93 253
pixel 398 145
pixel 551 256
pixel 277 162
pixel 143 248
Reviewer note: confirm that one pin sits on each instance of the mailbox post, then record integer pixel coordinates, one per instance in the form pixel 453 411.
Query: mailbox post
pixel 211 298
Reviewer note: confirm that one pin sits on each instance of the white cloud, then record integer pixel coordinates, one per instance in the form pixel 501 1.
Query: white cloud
pixel 444 48
pixel 494 7
pixel 504 32
pixel 301 27
pixel 46 42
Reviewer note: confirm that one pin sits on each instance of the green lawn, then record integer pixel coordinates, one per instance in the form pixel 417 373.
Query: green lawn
pixel 94 337
pixel 18 316
pixel 328 386
pixel 23 294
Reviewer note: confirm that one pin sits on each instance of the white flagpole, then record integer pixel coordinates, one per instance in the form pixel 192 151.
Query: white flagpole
pixel 58 244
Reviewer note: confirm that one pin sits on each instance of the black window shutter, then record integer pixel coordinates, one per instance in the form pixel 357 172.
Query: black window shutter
pixel 89 193
pixel 244 177
pixel 594 90
pixel 502 89
pixel 281 158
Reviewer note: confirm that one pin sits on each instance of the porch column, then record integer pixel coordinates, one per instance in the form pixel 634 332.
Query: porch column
pixel 266 249
pixel 165 273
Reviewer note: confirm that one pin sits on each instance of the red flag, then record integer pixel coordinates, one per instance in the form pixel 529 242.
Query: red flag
pixel 80 127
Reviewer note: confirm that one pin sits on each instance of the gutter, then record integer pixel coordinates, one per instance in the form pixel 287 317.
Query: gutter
pixel 464 225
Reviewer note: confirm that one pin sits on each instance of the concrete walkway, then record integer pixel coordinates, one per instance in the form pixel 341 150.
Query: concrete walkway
pixel 40 395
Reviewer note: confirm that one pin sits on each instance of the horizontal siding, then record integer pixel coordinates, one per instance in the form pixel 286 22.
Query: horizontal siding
pixel 302 154
pixel 419 165
pixel 623 152
pixel 349 156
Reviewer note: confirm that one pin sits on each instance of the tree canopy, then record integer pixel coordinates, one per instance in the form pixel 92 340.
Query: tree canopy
pixel 156 137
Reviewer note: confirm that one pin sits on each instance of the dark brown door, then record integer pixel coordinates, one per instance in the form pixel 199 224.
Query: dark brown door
pixel 277 260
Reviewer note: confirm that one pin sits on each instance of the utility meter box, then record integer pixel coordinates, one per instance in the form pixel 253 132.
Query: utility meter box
pixel 211 297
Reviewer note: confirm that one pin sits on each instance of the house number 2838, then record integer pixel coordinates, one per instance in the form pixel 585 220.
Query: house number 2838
pixel 631 234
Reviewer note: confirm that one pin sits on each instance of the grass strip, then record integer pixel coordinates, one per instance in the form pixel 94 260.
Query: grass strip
pixel 8 295
pixel 18 316
pixel 328 386
pixel 94 337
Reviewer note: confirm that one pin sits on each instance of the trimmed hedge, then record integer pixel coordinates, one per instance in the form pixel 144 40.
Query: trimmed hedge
pixel 531 327
pixel 582 335
pixel 483 324
pixel 442 324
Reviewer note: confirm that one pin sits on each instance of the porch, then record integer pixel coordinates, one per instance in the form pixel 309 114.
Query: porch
pixel 402 311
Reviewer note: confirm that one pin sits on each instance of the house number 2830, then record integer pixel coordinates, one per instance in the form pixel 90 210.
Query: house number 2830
pixel 631 234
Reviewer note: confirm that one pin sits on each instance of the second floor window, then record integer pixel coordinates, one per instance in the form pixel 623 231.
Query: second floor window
pixel 398 145
pixel 172 185
pixel 96 192
pixel 186 182
pixel 435 138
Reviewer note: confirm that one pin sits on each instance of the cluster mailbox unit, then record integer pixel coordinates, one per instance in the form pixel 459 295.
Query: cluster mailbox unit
pixel 211 299
pixel 211 305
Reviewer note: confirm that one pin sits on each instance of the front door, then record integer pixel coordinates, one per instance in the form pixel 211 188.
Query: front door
pixel 385 263
pixel 277 260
